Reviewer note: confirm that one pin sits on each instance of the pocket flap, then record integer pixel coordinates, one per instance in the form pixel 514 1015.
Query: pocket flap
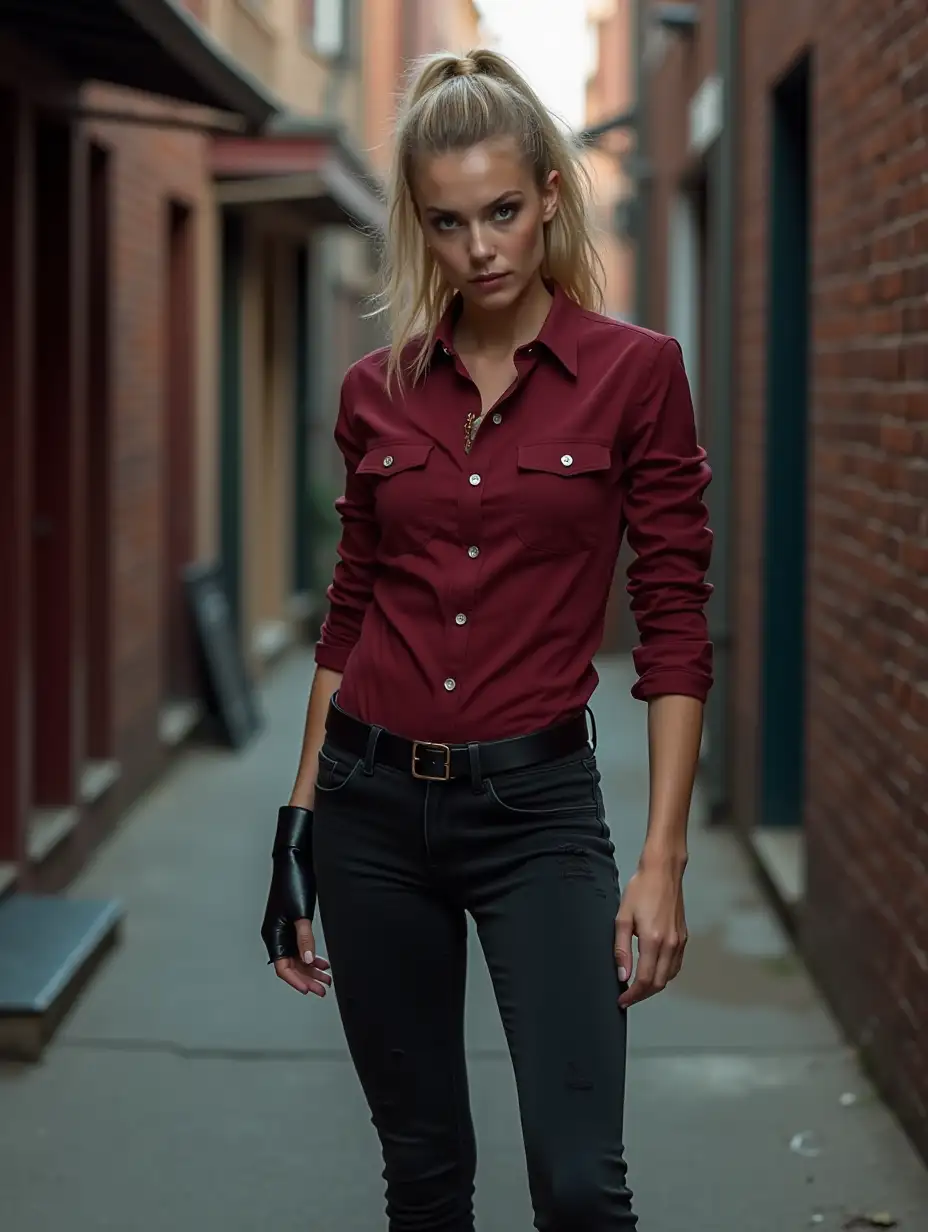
pixel 389 460
pixel 565 457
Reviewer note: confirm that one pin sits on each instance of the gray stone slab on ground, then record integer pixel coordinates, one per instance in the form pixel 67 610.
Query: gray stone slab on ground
pixel 191 1090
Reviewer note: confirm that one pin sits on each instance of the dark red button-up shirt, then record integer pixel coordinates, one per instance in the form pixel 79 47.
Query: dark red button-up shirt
pixel 471 590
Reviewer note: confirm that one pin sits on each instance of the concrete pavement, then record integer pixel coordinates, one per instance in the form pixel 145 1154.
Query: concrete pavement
pixel 189 1090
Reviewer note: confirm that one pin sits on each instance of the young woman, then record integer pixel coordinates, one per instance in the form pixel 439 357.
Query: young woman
pixel 496 452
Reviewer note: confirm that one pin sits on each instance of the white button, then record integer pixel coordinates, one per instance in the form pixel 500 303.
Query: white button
pixel 450 685
pixel 497 418
pixel 446 349
pixel 460 619
pixel 567 460
pixel 388 460
pixel 474 479
pixel 473 553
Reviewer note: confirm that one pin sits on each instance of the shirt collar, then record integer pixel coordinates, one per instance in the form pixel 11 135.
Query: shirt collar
pixel 559 334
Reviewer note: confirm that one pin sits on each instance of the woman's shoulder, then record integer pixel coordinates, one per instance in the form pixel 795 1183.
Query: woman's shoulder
pixel 370 372
pixel 609 341
pixel 613 329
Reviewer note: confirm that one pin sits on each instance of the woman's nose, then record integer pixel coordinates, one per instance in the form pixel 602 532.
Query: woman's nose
pixel 480 247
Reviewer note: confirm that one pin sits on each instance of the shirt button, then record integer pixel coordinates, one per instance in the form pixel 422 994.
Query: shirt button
pixel 388 460
pixel 450 685
pixel 497 418
pixel 567 460
pixel 473 553
pixel 460 619
pixel 474 479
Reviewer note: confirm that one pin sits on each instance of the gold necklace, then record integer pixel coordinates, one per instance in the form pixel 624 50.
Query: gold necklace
pixel 471 428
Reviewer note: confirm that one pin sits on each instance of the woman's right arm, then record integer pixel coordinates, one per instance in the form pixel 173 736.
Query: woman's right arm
pixel 325 683
pixel 349 594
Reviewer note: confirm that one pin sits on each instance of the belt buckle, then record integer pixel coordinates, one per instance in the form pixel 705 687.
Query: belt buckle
pixel 438 748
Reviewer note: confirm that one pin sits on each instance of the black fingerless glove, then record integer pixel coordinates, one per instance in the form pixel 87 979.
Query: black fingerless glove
pixel 293 884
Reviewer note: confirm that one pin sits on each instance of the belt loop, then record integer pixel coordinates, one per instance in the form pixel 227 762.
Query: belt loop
pixel 372 737
pixel 593 726
pixel 476 778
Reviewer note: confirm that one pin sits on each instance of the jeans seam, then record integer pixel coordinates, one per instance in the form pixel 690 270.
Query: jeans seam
pixel 597 796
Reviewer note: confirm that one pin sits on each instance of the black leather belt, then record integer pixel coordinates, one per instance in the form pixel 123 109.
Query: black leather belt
pixel 425 759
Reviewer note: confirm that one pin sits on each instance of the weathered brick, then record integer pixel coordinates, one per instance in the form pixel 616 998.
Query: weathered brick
pixel 865 922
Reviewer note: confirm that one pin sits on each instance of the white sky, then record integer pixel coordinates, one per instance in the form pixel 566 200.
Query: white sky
pixel 548 40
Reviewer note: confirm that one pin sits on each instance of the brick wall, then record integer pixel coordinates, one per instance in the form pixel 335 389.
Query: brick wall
pixel 148 169
pixel 865 926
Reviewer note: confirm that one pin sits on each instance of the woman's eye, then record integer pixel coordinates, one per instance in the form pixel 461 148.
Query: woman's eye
pixel 506 213
pixel 444 224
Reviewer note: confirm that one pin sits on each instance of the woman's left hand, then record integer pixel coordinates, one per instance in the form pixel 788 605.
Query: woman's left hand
pixel 652 911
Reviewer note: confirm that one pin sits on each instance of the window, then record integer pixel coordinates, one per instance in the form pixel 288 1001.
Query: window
pixel 325 23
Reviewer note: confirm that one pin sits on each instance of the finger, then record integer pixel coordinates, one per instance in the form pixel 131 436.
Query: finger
pixel 312 971
pixel 623 946
pixel 305 941
pixel 642 986
pixel 287 971
pixel 677 963
pixel 663 972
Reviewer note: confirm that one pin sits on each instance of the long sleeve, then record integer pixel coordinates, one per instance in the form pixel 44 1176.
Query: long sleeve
pixel 666 477
pixel 353 579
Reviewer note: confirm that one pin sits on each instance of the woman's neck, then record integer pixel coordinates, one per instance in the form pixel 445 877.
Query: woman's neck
pixel 500 333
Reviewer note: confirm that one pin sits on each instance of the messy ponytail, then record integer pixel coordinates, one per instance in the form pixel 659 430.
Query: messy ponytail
pixel 452 103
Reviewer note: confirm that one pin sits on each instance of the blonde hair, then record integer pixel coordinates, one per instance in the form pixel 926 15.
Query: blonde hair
pixel 454 102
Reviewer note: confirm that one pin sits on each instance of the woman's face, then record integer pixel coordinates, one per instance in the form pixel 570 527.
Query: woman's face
pixel 483 216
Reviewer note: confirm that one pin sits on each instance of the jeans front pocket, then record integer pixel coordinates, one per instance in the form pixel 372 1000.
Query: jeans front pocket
pixel 562 788
pixel 336 769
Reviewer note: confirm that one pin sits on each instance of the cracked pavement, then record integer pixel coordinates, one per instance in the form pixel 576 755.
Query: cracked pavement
pixel 190 1090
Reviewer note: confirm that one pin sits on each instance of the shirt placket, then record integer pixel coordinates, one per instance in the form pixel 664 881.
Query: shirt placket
pixel 462 594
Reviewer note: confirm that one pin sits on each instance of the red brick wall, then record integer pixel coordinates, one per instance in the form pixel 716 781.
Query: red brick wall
pixel 148 168
pixel 865 927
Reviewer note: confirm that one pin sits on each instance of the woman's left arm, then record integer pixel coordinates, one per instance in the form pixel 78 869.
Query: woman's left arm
pixel 666 475
pixel 652 904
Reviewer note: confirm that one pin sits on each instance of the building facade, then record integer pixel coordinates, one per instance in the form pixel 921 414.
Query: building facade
pixel 783 195
pixel 609 147
pixel 102 219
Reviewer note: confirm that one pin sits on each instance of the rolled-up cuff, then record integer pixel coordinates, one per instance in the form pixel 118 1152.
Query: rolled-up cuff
pixel 334 658
pixel 672 681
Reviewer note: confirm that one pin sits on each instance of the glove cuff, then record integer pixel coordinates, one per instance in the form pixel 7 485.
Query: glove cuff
pixel 294 828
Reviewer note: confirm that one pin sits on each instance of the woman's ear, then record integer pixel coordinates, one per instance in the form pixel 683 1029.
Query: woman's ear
pixel 550 194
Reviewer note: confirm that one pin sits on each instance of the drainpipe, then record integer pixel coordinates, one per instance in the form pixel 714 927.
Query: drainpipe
pixel 724 208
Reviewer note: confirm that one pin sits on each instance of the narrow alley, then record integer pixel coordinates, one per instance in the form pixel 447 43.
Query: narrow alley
pixel 190 1090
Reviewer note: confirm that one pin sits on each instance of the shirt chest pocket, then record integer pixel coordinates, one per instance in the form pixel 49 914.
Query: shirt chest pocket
pixel 404 493
pixel 563 495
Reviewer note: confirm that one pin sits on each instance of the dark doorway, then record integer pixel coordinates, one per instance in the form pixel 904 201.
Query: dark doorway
pixel 302 531
pixel 57 515
pixel 230 429
pixel 180 325
pixel 16 250
pixel 98 623
pixel 787 418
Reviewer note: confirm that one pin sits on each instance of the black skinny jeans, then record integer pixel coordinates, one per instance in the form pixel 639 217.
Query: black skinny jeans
pixel 399 862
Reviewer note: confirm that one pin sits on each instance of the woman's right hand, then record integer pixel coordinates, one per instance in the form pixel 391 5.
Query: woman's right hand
pixel 287 929
pixel 310 971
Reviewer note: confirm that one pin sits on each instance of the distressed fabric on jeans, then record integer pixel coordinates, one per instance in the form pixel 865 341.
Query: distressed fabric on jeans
pixel 399 863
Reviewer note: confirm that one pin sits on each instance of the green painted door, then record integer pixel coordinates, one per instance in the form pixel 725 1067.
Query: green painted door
pixel 787 413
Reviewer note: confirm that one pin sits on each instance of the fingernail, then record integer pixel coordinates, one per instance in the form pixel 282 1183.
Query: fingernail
pixel 308 957
pixel 623 974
